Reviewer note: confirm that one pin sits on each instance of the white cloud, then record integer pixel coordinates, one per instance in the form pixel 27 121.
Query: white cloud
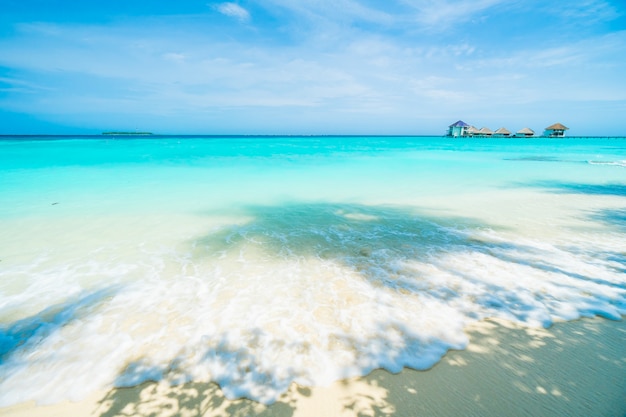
pixel 441 14
pixel 233 10
pixel 592 52
pixel 337 10
pixel 174 57
pixel 590 11
pixel 16 85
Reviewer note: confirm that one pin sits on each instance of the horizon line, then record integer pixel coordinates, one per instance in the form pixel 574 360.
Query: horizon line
pixel 147 135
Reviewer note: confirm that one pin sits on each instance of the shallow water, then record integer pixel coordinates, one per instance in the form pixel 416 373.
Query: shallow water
pixel 258 261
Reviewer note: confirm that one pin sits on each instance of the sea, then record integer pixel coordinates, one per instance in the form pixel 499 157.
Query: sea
pixel 258 262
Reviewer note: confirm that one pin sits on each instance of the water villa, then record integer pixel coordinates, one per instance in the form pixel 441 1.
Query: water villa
pixel 525 133
pixel 556 130
pixel 458 129
pixel 462 129
pixel 502 132
pixel 472 131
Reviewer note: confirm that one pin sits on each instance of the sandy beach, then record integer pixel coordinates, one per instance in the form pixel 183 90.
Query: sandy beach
pixel 572 369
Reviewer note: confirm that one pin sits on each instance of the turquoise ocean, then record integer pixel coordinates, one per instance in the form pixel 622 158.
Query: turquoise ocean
pixel 255 262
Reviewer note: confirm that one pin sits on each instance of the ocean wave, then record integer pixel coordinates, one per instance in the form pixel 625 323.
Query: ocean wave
pixel 534 158
pixel 612 163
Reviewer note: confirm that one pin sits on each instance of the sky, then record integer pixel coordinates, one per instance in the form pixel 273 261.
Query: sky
pixel 392 67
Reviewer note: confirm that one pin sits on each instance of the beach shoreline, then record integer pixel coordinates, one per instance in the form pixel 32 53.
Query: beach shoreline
pixel 573 368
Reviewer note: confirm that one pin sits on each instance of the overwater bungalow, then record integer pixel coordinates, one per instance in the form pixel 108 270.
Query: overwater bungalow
pixel 502 132
pixel 462 129
pixel 472 131
pixel 525 132
pixel 556 130
pixel 458 129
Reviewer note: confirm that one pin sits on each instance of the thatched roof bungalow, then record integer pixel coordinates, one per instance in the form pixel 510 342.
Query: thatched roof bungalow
pixel 472 131
pixel 525 132
pixel 485 131
pixel 556 130
pixel 462 129
pixel 502 132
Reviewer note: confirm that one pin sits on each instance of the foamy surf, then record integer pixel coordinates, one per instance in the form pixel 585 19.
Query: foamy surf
pixel 610 163
pixel 306 294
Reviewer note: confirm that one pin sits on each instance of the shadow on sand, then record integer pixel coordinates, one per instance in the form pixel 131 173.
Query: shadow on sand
pixel 371 240
pixel 26 334
pixel 609 189
pixel 574 369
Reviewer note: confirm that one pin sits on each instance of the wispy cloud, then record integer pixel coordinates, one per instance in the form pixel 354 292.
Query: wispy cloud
pixel 343 11
pixel 586 53
pixel 233 10
pixel 16 85
pixel 442 14
pixel 588 11
pixel 174 57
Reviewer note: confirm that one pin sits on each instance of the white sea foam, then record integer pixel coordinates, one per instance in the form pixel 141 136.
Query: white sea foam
pixel 612 163
pixel 306 294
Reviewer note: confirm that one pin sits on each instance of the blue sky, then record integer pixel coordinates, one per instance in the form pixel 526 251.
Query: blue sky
pixel 311 66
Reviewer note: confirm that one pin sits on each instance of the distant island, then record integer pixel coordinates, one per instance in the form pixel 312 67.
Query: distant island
pixel 127 133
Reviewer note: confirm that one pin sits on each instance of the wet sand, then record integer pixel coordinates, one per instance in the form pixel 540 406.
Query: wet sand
pixel 572 369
